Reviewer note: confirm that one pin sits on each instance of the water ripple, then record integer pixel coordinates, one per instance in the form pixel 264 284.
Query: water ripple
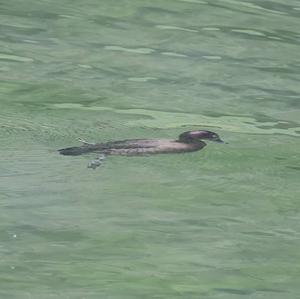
pixel 15 58
pixel 165 27
pixel 130 50
pixel 141 79
pixel 254 6
pixel 211 57
pixel 165 120
pixel 247 31
pixel 194 1
pixel 173 54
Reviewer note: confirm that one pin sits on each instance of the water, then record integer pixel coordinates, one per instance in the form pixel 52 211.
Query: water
pixel 220 223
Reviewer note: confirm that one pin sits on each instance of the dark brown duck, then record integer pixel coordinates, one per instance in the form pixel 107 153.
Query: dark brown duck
pixel 187 142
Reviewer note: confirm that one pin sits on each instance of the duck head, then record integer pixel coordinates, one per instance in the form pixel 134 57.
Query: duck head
pixel 196 136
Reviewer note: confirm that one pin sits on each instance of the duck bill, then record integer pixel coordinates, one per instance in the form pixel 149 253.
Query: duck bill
pixel 219 140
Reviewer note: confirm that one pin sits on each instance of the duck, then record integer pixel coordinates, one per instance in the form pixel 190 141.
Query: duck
pixel 189 141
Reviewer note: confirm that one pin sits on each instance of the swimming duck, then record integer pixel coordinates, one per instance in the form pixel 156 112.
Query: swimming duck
pixel 189 141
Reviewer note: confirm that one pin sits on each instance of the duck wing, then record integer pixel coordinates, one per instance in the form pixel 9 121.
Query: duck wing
pixel 98 147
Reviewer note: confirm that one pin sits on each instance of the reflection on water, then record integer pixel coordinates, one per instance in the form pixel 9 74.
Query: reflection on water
pixel 222 222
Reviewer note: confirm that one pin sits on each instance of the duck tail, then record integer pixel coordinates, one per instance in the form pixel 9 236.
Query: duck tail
pixel 76 150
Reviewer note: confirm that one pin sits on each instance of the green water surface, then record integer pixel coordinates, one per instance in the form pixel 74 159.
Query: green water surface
pixel 219 223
